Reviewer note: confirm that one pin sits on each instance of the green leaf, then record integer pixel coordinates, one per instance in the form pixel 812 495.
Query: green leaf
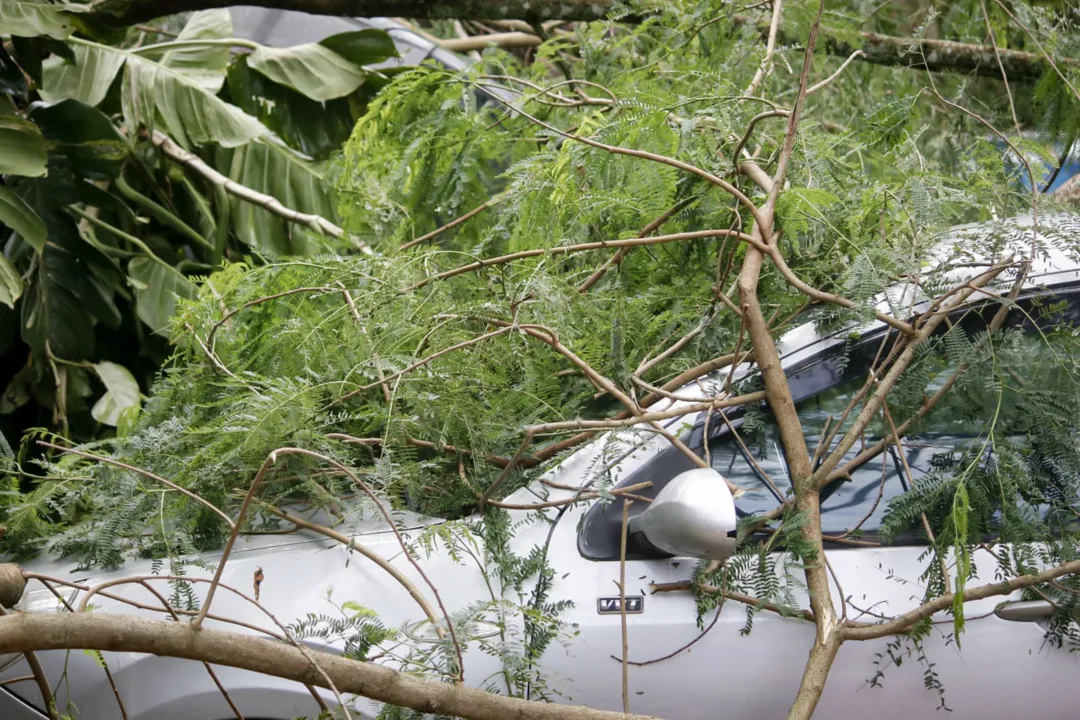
pixel 315 128
pixel 11 285
pixel 22 148
pixel 53 310
pixel 312 69
pixel 158 96
pixel 204 66
pixel 29 18
pixel 21 218
pixel 362 47
pixel 87 80
pixel 84 135
pixel 298 183
pixel 156 289
pixel 121 393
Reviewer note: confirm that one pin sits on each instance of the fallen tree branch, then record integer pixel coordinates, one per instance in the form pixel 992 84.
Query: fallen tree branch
pixel 123 633
pixel 935 55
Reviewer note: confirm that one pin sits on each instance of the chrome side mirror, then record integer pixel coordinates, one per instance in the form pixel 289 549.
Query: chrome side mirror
pixel 691 516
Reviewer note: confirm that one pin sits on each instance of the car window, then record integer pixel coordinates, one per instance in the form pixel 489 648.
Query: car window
pixel 749 452
pixel 1039 340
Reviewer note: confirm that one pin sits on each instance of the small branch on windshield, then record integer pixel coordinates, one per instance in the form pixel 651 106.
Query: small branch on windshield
pixel 145 473
pixel 934 317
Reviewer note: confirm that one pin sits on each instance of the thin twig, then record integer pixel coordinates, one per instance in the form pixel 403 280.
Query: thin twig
pixel 622 606
pixel 452 224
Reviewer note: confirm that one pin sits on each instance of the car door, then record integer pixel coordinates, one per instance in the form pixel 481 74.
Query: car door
pixel 743 661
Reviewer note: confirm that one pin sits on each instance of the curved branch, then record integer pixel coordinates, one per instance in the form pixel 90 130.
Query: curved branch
pixel 124 633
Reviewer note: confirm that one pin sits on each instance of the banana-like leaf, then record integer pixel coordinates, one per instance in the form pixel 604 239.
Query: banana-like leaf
pixel 205 65
pixel 11 284
pixel 87 80
pixel 156 289
pixel 30 18
pixel 314 128
pixel 22 148
pixel 312 69
pixel 158 96
pixel 153 94
pixel 362 47
pixel 121 396
pixel 53 310
pixel 270 167
pixel 20 217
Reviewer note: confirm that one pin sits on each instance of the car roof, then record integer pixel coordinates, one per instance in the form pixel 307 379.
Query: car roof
pixel 283 28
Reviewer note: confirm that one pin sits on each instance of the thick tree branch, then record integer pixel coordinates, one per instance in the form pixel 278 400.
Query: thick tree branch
pixel 935 55
pixel 122 633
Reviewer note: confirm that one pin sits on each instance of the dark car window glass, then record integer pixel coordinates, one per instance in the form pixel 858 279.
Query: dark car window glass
pixel 980 411
pixel 1040 344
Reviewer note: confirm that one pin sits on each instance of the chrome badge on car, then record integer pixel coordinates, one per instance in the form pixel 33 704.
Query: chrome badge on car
pixel 635 604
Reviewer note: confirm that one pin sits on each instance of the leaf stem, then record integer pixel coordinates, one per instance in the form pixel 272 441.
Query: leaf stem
pixel 120 234
pixel 209 42
pixel 161 214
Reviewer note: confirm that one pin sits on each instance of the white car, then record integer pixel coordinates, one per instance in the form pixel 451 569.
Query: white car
pixel 1005 669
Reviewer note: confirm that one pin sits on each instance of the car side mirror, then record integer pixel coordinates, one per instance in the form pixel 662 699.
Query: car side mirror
pixel 691 516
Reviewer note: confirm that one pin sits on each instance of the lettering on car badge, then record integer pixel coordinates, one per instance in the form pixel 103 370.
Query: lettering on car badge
pixel 635 604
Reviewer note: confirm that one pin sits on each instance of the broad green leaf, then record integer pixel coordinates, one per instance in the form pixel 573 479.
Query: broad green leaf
pixel 312 69
pixel 156 289
pixel 274 169
pixel 29 18
pixel 362 47
pixel 121 393
pixel 87 80
pixel 314 128
pixel 158 96
pixel 53 310
pixel 84 135
pixel 21 218
pixel 205 65
pixel 11 285
pixel 22 148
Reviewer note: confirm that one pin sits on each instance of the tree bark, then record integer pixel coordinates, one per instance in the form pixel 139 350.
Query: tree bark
pixel 931 54
pixel 124 633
